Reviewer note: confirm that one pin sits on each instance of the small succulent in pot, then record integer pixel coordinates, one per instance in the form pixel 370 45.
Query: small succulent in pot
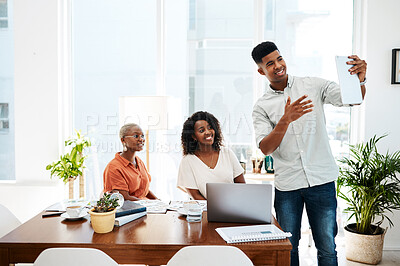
pixel 106 204
pixel 102 216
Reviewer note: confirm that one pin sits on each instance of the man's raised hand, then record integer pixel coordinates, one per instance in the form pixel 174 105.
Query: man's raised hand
pixel 359 67
pixel 297 109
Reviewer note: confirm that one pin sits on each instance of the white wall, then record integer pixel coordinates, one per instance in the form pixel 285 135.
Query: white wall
pixel 36 109
pixel 382 106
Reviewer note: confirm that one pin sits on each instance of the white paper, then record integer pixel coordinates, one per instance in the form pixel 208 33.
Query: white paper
pixel 349 84
pixel 174 205
pixel 154 206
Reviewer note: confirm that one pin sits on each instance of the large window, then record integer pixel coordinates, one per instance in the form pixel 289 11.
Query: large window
pixel 7 153
pixel 220 69
pixel 310 33
pixel 114 54
pixel 3 14
pixel 198 53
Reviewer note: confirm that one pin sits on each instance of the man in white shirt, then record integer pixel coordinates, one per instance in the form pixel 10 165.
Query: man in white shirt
pixel 289 123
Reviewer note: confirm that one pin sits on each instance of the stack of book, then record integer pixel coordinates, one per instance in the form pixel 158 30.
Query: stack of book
pixel 129 212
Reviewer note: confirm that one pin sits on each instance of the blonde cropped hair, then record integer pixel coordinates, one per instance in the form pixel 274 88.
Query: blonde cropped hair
pixel 125 128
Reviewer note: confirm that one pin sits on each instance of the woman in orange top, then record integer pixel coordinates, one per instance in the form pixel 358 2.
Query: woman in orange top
pixel 126 173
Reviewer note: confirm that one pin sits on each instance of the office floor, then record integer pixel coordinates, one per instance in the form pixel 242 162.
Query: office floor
pixel 308 255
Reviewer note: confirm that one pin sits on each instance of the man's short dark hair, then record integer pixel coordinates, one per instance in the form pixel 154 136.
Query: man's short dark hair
pixel 261 50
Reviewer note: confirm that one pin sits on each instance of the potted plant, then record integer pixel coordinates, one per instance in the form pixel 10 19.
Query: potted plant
pixel 102 216
pixel 71 164
pixel 368 183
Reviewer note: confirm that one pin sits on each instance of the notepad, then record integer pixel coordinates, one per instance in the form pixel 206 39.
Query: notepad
pixel 251 233
pixel 349 84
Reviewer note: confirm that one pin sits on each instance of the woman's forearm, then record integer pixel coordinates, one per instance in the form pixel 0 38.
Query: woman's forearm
pixel 195 194
pixel 239 179
pixel 151 195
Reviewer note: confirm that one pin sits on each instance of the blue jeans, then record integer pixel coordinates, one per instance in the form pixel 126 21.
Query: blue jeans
pixel 320 202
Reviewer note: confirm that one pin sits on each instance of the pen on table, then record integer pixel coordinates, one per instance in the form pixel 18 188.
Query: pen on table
pixel 52 214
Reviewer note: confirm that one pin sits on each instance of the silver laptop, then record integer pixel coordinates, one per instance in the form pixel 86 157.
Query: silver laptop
pixel 239 203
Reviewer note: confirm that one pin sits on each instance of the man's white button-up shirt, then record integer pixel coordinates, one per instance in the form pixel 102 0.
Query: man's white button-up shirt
pixel 304 157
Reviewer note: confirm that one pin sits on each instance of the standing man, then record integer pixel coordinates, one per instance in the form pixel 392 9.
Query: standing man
pixel 289 123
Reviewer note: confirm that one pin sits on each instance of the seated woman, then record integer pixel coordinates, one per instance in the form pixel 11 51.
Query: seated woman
pixel 126 173
pixel 205 160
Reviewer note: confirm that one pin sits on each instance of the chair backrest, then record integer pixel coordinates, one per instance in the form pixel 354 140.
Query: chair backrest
pixel 8 221
pixel 210 256
pixel 74 257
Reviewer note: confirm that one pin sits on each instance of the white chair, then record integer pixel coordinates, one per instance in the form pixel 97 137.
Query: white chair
pixel 210 256
pixel 74 257
pixel 8 221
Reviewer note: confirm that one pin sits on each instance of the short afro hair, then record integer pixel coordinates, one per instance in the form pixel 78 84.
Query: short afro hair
pixel 263 49
pixel 189 145
pixel 126 128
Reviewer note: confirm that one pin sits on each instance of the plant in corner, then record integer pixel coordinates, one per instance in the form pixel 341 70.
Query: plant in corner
pixel 102 215
pixel 369 185
pixel 71 164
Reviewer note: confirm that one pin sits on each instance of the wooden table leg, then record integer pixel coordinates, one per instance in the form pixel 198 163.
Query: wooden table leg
pixel 4 258
pixel 284 258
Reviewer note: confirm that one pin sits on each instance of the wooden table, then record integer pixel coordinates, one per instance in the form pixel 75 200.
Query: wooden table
pixel 153 239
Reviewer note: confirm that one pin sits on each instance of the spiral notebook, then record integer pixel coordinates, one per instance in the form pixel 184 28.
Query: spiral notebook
pixel 251 233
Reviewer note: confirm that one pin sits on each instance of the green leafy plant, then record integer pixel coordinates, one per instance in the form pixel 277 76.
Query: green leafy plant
pixel 373 188
pixel 106 204
pixel 71 164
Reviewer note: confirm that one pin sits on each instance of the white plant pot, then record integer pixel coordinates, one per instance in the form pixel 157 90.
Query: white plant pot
pixel 364 248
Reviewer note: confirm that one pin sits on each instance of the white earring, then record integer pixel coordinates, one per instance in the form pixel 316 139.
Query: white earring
pixel 125 148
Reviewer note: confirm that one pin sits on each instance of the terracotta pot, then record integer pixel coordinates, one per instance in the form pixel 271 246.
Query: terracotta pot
pixel 363 248
pixel 102 222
